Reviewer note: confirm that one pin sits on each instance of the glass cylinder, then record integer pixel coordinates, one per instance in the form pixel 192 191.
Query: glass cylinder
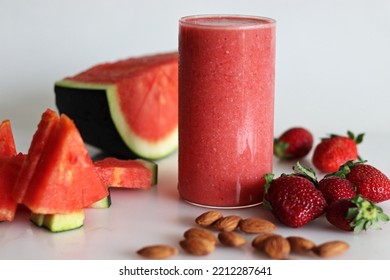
pixel 226 108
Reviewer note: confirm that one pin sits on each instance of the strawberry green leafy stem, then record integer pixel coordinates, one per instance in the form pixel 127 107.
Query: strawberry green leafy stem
pixel 365 215
pixel 268 179
pixel 345 168
pixel 306 172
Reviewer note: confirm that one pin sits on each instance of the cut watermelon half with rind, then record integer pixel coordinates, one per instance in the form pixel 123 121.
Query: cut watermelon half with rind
pixel 142 106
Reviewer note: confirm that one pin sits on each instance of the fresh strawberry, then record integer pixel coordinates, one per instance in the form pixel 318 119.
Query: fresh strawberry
pixel 294 143
pixel 336 150
pixel 369 181
pixel 355 214
pixel 334 188
pixel 293 199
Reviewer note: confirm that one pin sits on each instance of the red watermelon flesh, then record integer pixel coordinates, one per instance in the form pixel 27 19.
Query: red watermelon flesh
pixel 7 143
pixel 142 96
pixel 64 179
pixel 109 73
pixel 134 174
pixel 9 170
pixel 48 122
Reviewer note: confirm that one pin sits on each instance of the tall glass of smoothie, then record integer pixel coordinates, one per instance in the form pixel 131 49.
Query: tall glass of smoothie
pixel 226 108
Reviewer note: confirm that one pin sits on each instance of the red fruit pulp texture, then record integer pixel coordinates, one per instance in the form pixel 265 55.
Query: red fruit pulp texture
pixel 7 143
pixel 124 173
pixel 9 170
pixel 48 122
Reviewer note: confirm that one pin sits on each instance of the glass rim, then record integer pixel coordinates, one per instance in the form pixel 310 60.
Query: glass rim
pixel 263 22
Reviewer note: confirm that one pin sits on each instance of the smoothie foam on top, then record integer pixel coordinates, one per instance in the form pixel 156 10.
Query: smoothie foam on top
pixel 227 21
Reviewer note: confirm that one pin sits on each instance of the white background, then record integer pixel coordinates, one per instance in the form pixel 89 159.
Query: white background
pixel 332 74
pixel 332 67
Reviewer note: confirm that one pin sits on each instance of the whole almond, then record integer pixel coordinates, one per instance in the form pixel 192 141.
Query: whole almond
pixel 228 223
pixel 258 241
pixel 157 252
pixel 300 245
pixel 231 239
pixel 256 225
pixel 276 247
pixel 208 218
pixel 201 233
pixel 197 246
pixel 331 248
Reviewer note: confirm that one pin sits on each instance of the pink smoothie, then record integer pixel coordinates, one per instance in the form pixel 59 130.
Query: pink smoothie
pixel 226 108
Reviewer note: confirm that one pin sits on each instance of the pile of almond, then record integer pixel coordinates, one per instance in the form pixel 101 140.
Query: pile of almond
pixel 201 241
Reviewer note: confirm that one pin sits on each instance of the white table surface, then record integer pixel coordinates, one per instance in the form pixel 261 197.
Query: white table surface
pixel 332 75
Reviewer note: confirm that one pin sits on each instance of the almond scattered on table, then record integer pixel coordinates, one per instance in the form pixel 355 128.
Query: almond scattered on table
pixel 208 218
pixel 276 247
pixel 157 251
pixel 201 241
pixel 300 245
pixel 231 239
pixel 201 233
pixel 256 225
pixel 228 223
pixel 331 249
pixel 197 246
pixel 258 241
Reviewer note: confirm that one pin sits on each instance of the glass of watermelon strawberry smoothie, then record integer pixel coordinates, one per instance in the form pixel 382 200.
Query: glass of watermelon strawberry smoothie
pixel 226 108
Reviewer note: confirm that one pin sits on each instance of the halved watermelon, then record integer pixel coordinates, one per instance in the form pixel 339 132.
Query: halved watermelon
pixel 128 108
pixel 64 178
pixel 134 174
pixel 7 142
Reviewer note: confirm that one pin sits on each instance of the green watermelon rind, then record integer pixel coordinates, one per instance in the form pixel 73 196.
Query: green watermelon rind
pixel 59 222
pixel 145 149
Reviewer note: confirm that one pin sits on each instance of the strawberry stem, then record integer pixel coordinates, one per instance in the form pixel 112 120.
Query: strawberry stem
pixel 345 168
pixel 306 172
pixel 280 148
pixel 268 179
pixel 358 139
pixel 365 215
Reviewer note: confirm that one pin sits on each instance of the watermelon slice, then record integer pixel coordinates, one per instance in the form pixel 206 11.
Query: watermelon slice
pixel 9 170
pixel 138 173
pixel 128 108
pixel 49 121
pixel 7 142
pixel 64 178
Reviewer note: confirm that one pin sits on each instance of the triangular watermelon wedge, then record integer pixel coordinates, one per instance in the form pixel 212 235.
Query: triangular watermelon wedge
pixel 9 169
pixel 64 179
pixel 9 166
pixel 7 142
pixel 48 122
